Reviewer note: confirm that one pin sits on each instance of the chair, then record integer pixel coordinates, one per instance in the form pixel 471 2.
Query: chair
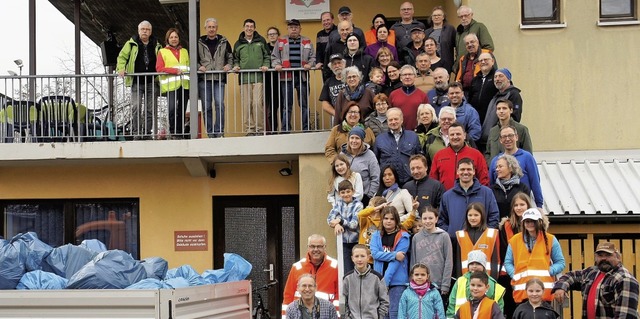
pixel 19 119
pixel 58 117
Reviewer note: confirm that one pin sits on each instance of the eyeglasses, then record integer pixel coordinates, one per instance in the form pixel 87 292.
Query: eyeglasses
pixel 271 34
pixel 446 119
pixel 464 15
pixel 312 247
pixel 484 60
pixel 353 112
pixel 437 15
pixel 508 136
pixel 406 9
pixel 407 74
pixel 307 286
pixel 381 103
pixel 351 77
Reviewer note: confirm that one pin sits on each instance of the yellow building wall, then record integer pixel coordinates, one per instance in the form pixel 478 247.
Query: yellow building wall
pixel 314 208
pixel 579 83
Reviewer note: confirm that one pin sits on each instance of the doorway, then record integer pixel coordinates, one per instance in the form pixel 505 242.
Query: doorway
pixel 264 231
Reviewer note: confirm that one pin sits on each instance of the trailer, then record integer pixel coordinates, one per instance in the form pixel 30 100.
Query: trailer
pixel 224 300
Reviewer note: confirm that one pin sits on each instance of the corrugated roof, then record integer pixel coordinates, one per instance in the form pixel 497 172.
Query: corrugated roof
pixel 597 183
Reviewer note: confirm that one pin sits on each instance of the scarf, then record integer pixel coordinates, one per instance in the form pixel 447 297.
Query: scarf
pixel 347 128
pixel 419 289
pixel 354 95
pixel 391 189
pixel 506 184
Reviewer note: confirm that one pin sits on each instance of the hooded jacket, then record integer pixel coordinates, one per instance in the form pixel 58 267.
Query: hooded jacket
pixel 129 53
pixel 365 295
pixel 482 91
pixel 366 164
pixel 397 271
pixel 455 202
pixel 512 94
pixel 362 61
pixel 477 28
pixel 412 306
pixel 526 311
pixel 434 249
pixel 250 56
pixel 223 56
pixel 531 176
pixel 469 118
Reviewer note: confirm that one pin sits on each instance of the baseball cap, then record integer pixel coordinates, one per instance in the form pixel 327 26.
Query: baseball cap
pixel 293 22
pixel 344 10
pixel 336 56
pixel 531 214
pixel 607 247
pixel 417 29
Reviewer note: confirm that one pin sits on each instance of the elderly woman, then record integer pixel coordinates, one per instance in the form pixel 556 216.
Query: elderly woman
pixel 364 162
pixel 173 60
pixel 393 78
pixel 438 137
pixel 507 183
pixel 338 136
pixel 371 36
pixel 377 120
pixel 427 120
pixel 382 42
pixel 354 91
pixel 430 48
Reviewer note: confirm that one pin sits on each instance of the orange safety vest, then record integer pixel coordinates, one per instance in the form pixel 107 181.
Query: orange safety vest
pixel 326 281
pixel 509 231
pixel 485 243
pixel 532 264
pixel 484 311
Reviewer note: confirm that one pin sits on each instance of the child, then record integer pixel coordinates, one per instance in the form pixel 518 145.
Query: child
pixel 417 227
pixel 343 218
pixel 460 291
pixel 363 289
pixel 341 169
pixel 479 306
pixel 421 299
pixel 376 80
pixel 432 247
pixel 389 248
pixel 369 219
pixel 476 236
pixel 535 307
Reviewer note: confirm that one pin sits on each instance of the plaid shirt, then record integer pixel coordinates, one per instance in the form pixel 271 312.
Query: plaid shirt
pixel 322 310
pixel 617 292
pixel 348 213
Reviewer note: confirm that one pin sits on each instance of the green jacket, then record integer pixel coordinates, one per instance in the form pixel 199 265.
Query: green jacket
pixel 477 28
pixel 128 54
pixel 458 297
pixel 251 56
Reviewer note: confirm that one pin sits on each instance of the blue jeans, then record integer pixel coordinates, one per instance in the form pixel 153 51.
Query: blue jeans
pixel 286 107
pixel 206 88
pixel 395 292
pixel 346 257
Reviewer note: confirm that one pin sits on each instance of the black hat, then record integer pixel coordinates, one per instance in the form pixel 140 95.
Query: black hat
pixel 344 10
pixel 293 22
pixel 336 56
pixel 417 29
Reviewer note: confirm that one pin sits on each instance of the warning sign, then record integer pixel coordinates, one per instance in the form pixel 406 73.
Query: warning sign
pixel 193 240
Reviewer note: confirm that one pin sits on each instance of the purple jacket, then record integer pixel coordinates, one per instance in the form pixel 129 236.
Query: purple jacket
pixel 372 50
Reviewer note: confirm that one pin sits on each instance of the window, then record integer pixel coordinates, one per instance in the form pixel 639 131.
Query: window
pixel 536 12
pixel 60 222
pixel 618 10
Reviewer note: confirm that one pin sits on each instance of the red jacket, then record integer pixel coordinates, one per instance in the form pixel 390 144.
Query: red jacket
pixel 326 281
pixel 445 161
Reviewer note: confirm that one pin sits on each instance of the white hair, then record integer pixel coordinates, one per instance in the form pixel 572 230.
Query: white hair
pixel 144 23
pixel 448 109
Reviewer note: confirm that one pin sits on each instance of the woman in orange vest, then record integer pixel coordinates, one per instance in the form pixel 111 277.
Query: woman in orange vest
pixel 533 253
pixel 174 61
pixel 475 235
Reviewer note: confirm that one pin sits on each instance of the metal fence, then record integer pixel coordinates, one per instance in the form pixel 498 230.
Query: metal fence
pixel 107 107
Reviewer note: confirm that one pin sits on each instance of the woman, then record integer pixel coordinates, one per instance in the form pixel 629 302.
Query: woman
pixel 430 47
pixel 338 136
pixel 371 37
pixel 383 58
pixel 445 36
pixel 533 253
pixel 271 84
pixel 377 120
pixel 395 196
pixel 382 38
pixel 354 91
pixel 393 78
pixel 435 138
pixel 364 162
pixel 427 120
pixel 355 56
pixel 174 60
pixel 507 184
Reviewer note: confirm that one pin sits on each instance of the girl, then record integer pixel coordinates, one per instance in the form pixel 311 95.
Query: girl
pixel 396 196
pixel 389 246
pixel 421 299
pixel 341 171
pixel 535 307
pixel 432 246
pixel 476 236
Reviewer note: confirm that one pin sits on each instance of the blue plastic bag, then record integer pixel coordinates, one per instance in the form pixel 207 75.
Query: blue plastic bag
pixel 112 269
pixel 67 260
pixel 235 268
pixel 149 283
pixel 187 272
pixel 156 267
pixel 39 279
pixel 177 282
pixel 13 257
pixel 93 245
pixel 37 250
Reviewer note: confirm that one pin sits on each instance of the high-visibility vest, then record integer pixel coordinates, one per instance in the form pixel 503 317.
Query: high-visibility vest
pixel 172 82
pixel 531 265
pixel 326 281
pixel 484 312
pixel 485 243
pixel 461 293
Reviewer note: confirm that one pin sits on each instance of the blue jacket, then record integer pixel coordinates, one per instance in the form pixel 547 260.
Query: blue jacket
pixel 455 202
pixel 397 271
pixel 428 306
pixel 529 168
pixel 469 118
pixel 396 154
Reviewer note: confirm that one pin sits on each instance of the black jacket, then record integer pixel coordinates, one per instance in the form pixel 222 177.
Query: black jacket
pixel 481 92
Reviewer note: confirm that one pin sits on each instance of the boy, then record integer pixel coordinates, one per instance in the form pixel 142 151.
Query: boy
pixel 479 306
pixel 363 289
pixel 460 291
pixel 343 218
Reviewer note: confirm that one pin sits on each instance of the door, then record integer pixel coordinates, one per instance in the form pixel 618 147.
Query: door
pixel 264 231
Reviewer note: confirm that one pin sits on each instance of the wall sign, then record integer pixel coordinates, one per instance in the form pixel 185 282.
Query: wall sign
pixel 306 9
pixel 193 240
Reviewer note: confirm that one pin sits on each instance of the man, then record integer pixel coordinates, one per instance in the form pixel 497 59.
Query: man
pixel 608 289
pixel 467 26
pixel 468 65
pixel 467 190
pixel 250 53
pixel 322 38
pixel 333 85
pixel 438 96
pixel 214 54
pixel 428 191
pixel 395 147
pixel 424 81
pixel 318 264
pixel 465 113
pixel 506 91
pixel 403 27
pixel 408 97
pixel 344 14
pixel 531 176
pixel 310 306
pixel 482 88
pixel 504 108
pixel 411 50
pixel 344 29
pixel 445 161
pixel 138 55
pixel 294 51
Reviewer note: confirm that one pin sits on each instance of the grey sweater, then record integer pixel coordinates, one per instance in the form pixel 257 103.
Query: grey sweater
pixel 434 250
pixel 365 295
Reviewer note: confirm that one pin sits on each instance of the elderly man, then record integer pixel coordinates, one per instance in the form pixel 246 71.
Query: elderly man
pixel 445 160
pixel 467 26
pixel 608 289
pixel 310 306
pixel 506 91
pixel 340 46
pixel 504 108
pixel 333 85
pixel 403 27
pixel 466 115
pixel 482 88
pixel 138 55
pixel 530 177
pixel 318 264
pixel 427 190
pixel 424 80
pixel 408 97
pixel 468 65
pixel 411 50
pixel 214 54
pixel 438 96
pixel 344 14
pixel 395 147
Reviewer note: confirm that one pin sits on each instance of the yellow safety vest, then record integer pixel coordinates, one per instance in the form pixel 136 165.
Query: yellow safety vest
pixel 461 294
pixel 172 82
